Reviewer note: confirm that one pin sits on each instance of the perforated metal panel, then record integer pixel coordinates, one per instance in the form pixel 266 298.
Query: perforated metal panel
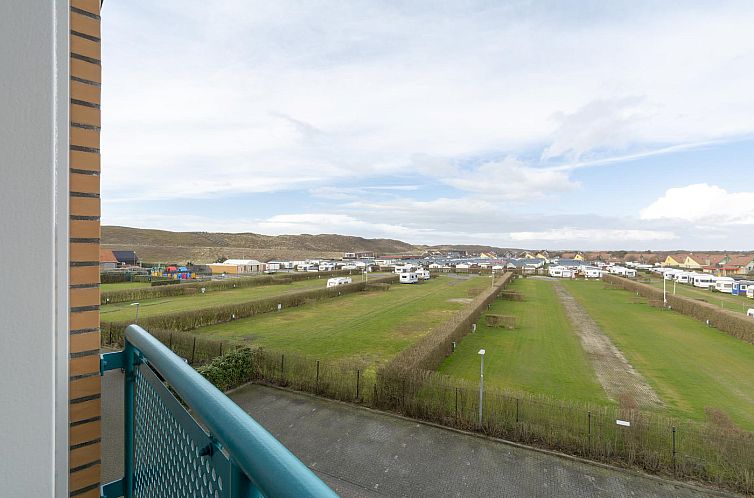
pixel 173 456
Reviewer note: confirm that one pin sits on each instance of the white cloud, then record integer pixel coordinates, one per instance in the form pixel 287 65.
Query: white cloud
pixel 703 203
pixel 594 237
pixel 511 179
pixel 266 96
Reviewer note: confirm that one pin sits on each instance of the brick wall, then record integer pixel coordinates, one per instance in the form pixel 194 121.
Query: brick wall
pixel 84 409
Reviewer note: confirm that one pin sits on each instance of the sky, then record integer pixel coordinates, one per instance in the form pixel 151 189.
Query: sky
pixel 560 125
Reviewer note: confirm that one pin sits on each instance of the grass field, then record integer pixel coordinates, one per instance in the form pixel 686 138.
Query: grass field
pixel 369 327
pixel 122 285
pixel 171 304
pixel 543 355
pixel 690 366
pixel 727 301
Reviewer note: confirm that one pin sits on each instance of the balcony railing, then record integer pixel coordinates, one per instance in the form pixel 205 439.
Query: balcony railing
pixel 185 438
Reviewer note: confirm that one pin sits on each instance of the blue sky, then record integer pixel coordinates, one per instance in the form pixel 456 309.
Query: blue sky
pixel 524 124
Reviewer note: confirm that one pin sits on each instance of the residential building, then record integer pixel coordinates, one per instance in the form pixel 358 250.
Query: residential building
pixel 126 258
pixel 107 261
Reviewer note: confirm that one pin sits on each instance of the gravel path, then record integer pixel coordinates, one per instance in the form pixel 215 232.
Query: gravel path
pixel 616 375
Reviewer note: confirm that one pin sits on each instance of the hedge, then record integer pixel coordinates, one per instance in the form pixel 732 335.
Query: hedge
pixel 734 324
pixel 125 295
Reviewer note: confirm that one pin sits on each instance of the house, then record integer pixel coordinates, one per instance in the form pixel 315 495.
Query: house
pixel 107 260
pixel 236 266
pixel 126 258
pixel 487 255
pixel 359 255
pixel 676 260
pixel 738 265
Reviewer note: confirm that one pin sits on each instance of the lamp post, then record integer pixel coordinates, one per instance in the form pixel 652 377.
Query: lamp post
pixel 481 385
pixel 664 291
pixel 137 311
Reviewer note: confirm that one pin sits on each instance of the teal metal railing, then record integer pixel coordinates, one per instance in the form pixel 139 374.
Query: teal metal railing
pixel 214 450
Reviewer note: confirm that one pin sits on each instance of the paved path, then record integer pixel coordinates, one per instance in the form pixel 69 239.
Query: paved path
pixel 363 453
pixel 620 380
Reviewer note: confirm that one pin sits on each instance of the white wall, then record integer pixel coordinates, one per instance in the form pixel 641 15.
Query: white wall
pixel 33 231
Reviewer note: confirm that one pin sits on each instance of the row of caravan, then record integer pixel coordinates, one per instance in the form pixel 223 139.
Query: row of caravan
pixel 727 285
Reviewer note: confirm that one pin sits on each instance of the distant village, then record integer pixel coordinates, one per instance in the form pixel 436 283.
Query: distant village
pixel 560 264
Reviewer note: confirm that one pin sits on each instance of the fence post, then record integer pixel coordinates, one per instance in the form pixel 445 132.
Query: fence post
pixel 674 450
pixel 316 382
pixel 357 383
pixel 170 342
pixel 282 366
pixel 589 429
pixel 111 335
pixel 221 349
pixel 403 394
pixel 517 403
pixel 193 351
pixel 456 405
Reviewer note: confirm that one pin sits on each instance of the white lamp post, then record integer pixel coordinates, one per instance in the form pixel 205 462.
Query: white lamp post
pixel 664 291
pixel 481 385
pixel 137 311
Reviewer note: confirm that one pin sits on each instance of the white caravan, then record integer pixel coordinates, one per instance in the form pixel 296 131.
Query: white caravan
pixel 422 274
pixel 703 281
pixel 336 281
pixel 724 284
pixel 409 278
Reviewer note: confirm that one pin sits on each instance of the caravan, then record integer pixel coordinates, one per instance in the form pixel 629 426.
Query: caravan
pixel 724 284
pixel 409 278
pixel 703 281
pixel 422 274
pixel 336 281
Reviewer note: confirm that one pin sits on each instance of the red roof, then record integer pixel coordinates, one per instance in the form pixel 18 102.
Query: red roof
pixel 106 256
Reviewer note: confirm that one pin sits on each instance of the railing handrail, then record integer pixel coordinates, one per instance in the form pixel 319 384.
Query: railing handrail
pixel 269 465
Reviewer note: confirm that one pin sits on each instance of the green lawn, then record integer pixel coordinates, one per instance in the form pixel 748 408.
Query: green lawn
pixel 543 355
pixel 122 285
pixel 727 301
pixel 690 366
pixel 369 327
pixel 150 307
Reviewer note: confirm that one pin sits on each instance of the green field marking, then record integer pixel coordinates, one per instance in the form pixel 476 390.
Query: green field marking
pixel 171 304
pixel 690 365
pixel 122 286
pixel 370 327
pixel 543 355
pixel 722 300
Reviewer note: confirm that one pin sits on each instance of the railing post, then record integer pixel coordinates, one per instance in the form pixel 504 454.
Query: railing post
pixel 128 420
pixel 193 351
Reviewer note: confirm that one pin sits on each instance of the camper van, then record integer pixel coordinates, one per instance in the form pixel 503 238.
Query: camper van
pixel 336 281
pixel 741 286
pixel 409 278
pixel 703 281
pixel 724 284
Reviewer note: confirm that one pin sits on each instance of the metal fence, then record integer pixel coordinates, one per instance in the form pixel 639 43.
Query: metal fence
pixel 213 450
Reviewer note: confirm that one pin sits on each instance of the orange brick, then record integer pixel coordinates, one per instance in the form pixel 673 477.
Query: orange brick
pixel 82 114
pixel 79 275
pixel 87 296
pixel 88 341
pixel 84 92
pixel 86 70
pixel 89 161
pixel 92 493
pixel 84 229
pixel 83 365
pixel 84 137
pixel 81 388
pixel 84 432
pixel 85 24
pixel 83 252
pixel 84 478
pixel 87 184
pixel 83 455
pixel 92 6
pixel 85 206
pixel 84 320
pixel 85 47
pixel 85 410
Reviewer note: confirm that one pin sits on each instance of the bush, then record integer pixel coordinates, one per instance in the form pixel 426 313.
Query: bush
pixel 232 369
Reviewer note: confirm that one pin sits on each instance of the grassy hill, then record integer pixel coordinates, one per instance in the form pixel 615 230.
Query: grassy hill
pixel 203 247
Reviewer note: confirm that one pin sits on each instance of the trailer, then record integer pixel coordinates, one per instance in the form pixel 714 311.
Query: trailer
pixel 408 278
pixel 724 284
pixel 336 281
pixel 422 274
pixel 741 286
pixel 703 281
